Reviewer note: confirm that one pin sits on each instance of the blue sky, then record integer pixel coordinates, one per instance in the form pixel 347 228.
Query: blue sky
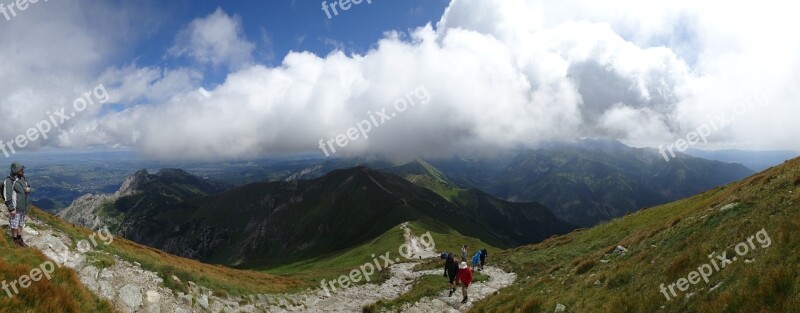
pixel 278 27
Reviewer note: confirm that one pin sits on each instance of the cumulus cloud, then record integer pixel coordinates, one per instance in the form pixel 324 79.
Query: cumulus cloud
pixel 499 73
pixel 217 39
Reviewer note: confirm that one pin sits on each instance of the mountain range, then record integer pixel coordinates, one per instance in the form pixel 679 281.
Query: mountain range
pixel 591 181
pixel 274 223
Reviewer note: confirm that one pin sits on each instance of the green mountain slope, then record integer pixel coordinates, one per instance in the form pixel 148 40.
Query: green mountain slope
pixel 285 222
pixel 484 205
pixel 666 244
pixel 592 181
pixel 342 262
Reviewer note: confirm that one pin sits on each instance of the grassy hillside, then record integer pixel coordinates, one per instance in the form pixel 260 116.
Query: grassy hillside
pixel 335 264
pixel 667 243
pixel 425 175
pixel 62 293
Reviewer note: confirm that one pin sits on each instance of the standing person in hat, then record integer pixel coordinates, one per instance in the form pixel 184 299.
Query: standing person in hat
pixel 15 191
pixel 464 277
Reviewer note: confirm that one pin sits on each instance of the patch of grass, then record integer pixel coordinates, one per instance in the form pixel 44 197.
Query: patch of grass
pixel 619 279
pixel 100 260
pixel 584 266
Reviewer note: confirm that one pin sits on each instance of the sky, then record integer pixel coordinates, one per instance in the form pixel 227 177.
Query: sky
pixel 208 80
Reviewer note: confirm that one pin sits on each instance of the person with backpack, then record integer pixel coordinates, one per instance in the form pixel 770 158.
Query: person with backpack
pixel 450 271
pixel 484 254
pixel 446 256
pixel 464 277
pixel 464 252
pixel 476 260
pixel 15 193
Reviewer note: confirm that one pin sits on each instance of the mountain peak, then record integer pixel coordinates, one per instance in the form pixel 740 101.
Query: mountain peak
pixel 134 183
pixel 173 173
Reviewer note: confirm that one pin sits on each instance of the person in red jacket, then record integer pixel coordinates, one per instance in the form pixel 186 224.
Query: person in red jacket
pixel 464 277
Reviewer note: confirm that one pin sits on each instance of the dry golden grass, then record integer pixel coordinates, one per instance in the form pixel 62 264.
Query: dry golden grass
pixel 584 266
pixel 62 293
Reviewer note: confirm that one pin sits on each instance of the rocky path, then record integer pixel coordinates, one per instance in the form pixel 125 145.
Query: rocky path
pixel 498 279
pixel 133 289
pixel 355 298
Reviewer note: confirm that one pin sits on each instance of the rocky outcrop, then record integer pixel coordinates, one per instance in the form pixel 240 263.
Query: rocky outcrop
pixel 87 210
pixel 83 211
pixel 134 183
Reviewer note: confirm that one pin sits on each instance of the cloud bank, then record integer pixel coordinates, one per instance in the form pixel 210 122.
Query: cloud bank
pixel 500 74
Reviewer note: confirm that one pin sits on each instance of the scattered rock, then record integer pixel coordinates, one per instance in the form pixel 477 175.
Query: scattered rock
pixel 728 207
pixel 560 308
pixel 620 250
pixel 153 296
pixel 203 301
pixel 131 296
pixel 31 231
pixel 186 299
pixel 106 290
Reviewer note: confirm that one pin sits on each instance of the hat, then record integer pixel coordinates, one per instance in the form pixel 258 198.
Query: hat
pixel 16 167
pixel 463 265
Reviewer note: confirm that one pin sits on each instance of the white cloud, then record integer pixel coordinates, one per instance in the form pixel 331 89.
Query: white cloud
pixel 501 73
pixel 217 39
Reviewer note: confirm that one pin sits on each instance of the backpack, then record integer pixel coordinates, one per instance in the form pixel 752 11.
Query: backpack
pixel 3 190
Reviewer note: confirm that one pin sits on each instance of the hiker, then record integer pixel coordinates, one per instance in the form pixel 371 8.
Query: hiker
pixel 15 193
pixel 447 257
pixel 464 252
pixel 451 271
pixel 484 253
pixel 476 260
pixel 465 278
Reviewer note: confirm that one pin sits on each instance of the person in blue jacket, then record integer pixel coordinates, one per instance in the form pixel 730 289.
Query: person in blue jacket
pixel 476 260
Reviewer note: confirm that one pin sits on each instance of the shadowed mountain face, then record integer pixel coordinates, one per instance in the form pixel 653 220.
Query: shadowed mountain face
pixel 280 222
pixel 141 192
pixel 593 180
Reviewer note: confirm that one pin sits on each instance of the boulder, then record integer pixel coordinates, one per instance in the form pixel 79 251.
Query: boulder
pixel 131 295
